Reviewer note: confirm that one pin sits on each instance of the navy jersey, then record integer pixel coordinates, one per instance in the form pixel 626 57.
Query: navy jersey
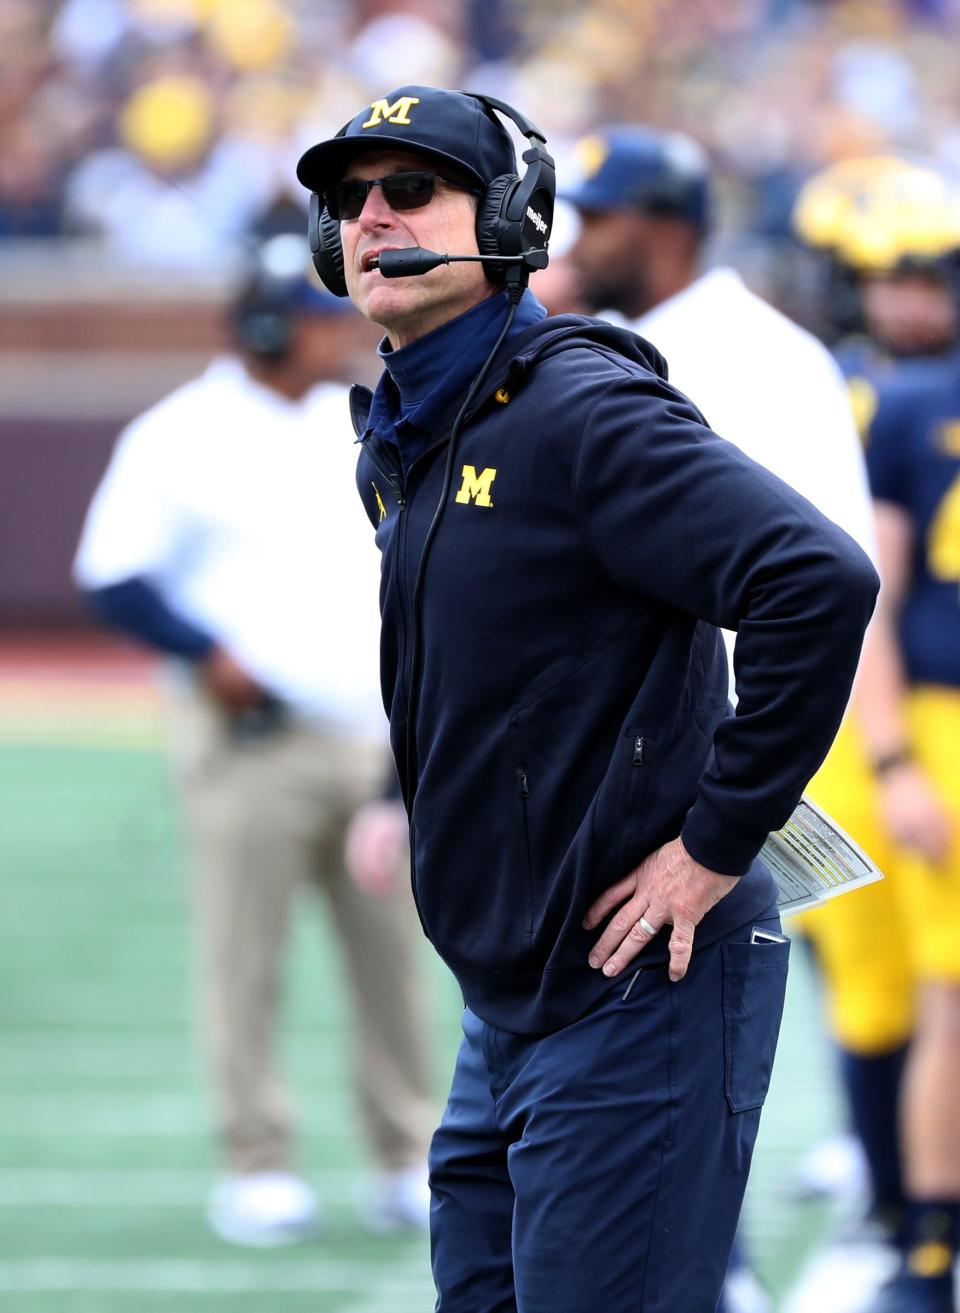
pixel 865 367
pixel 860 357
pixel 913 461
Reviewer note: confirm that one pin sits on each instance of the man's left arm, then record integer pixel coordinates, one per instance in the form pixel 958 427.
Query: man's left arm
pixel 677 514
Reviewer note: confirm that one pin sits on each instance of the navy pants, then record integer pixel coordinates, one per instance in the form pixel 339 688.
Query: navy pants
pixel 603 1166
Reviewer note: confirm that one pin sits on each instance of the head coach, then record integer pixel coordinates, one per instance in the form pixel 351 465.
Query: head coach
pixel 562 536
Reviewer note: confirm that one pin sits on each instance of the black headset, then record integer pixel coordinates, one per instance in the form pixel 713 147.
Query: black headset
pixel 262 311
pixel 261 329
pixel 514 215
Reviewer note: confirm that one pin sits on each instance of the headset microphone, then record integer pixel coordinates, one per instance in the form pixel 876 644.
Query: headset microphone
pixel 401 262
pixel 514 213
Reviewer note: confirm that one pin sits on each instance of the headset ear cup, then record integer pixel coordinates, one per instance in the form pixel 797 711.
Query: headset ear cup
pixel 263 332
pixel 491 214
pixel 327 249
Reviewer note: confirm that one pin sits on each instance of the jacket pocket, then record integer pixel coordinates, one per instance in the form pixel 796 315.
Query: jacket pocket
pixel 635 767
pixel 754 985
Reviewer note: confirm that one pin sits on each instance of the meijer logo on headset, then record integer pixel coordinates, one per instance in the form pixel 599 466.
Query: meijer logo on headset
pixel 383 111
pixel 536 219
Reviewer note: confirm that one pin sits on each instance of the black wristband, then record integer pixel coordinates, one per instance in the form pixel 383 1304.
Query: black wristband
pixel 892 761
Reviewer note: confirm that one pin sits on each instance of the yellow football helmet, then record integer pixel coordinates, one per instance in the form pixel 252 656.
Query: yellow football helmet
pixel 878 214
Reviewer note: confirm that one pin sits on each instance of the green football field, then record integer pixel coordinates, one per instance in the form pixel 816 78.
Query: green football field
pixel 106 1153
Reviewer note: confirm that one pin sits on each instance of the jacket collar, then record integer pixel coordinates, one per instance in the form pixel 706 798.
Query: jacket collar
pixel 518 355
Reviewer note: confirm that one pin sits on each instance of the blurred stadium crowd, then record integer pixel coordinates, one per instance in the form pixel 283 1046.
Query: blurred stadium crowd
pixel 169 128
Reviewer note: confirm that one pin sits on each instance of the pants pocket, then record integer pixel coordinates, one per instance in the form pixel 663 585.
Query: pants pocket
pixel 754 985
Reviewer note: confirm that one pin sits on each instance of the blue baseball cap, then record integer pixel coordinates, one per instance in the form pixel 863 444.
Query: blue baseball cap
pixel 450 127
pixel 629 167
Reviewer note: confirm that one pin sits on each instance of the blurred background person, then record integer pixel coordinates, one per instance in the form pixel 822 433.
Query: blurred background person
pixel 893 228
pixel 766 384
pixel 224 535
pixel 909 710
pixel 887 231
pixel 884 231
pixel 645 209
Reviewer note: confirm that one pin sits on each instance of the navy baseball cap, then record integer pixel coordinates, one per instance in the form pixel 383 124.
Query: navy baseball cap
pixel 449 126
pixel 628 167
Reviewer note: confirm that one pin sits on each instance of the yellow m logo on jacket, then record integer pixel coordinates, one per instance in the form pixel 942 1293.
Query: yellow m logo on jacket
pixel 398 112
pixel 476 487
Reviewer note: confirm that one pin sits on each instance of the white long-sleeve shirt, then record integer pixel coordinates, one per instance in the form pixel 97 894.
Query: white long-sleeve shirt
pixel 240 508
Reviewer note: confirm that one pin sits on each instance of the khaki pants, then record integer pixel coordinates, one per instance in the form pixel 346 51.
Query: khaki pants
pixel 266 817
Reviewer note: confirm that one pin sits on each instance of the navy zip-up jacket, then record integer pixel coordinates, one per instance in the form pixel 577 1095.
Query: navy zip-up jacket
pixel 571 702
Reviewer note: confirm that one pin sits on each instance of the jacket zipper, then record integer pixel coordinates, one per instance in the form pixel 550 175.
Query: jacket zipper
pixel 415 637
pixel 411 643
pixel 394 479
pixel 528 858
pixel 411 672
pixel 523 789
pixel 413 682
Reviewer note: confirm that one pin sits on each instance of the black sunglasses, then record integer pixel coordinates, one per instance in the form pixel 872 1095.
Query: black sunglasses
pixel 401 191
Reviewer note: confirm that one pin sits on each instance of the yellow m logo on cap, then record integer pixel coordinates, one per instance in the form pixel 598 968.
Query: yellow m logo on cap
pixel 383 111
pixel 476 487
pixel 948 437
pixel 591 152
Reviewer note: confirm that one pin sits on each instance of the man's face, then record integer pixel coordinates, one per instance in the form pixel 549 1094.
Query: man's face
pixel 909 313
pixel 610 260
pixel 410 307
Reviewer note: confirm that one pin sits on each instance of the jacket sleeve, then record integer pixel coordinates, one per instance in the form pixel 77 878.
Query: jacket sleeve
pixel 677 514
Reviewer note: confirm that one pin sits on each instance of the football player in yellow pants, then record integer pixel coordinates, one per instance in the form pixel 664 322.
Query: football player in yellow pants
pixel 868 974
pixel 891 955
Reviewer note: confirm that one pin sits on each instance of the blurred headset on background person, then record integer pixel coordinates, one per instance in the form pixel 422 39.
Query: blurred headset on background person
pixel 278 287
